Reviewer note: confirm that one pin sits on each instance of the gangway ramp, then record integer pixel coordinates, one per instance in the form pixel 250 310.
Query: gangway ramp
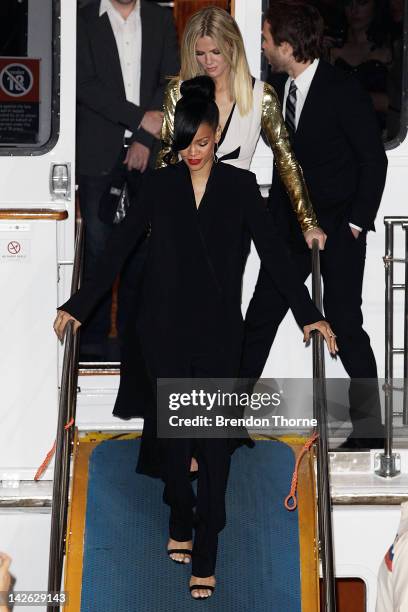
pixel 118 530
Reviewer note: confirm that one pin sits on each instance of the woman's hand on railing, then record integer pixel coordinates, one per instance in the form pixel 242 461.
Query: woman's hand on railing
pixel 315 234
pixel 61 321
pixel 324 328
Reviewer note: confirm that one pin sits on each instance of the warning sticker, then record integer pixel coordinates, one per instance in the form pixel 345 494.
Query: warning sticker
pixel 16 80
pixel 14 227
pixel 19 99
pixel 14 250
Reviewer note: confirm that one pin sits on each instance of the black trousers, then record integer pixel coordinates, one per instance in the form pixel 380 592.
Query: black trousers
pixel 91 189
pixel 170 458
pixel 209 518
pixel 342 269
pixel 95 331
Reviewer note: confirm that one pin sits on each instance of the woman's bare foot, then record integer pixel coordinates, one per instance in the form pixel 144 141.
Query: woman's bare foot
pixel 193 465
pixel 197 593
pixel 180 557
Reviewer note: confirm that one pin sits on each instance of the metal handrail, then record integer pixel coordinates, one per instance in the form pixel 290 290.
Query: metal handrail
pixel 66 412
pixel 388 460
pixel 328 603
pixel 405 398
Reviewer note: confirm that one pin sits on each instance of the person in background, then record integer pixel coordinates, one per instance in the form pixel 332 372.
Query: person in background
pixel 396 70
pixel 336 139
pixel 212 45
pixel 397 18
pixel 5 579
pixel 392 584
pixel 367 50
pixel 125 51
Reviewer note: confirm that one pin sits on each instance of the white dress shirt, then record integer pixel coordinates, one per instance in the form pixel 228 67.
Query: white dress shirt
pixel 303 82
pixel 128 36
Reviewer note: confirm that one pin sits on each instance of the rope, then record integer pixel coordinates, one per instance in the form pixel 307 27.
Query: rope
pixel 291 499
pixel 50 455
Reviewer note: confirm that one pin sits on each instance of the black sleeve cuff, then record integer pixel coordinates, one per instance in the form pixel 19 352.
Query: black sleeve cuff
pixel 143 137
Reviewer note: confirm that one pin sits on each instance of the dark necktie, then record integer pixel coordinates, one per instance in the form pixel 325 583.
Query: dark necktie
pixel 290 113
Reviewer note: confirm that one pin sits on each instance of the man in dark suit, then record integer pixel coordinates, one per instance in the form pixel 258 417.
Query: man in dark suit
pixel 126 50
pixel 337 142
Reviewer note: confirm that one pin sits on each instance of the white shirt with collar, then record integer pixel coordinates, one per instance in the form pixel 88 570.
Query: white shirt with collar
pixel 128 36
pixel 303 82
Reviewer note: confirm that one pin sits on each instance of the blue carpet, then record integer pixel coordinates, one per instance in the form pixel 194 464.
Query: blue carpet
pixel 125 565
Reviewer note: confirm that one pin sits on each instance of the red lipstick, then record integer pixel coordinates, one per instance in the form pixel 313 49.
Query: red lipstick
pixel 194 162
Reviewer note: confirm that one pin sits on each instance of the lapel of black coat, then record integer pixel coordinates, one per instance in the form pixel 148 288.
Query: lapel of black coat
pixel 278 83
pixel 209 206
pixel 147 50
pixel 183 193
pixel 310 111
pixel 204 216
pixel 106 48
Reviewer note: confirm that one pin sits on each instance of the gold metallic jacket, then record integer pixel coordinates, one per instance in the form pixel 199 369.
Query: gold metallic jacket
pixel 274 128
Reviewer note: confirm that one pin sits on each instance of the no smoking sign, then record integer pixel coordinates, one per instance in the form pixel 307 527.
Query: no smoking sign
pixel 14 247
pixel 14 250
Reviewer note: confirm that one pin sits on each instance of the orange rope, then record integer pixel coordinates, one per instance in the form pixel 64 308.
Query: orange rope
pixel 50 455
pixel 292 495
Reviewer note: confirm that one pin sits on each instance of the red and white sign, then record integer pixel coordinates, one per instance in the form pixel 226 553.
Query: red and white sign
pixel 19 100
pixel 19 79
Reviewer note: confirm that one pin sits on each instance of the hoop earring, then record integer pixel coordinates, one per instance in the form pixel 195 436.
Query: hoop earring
pixel 215 153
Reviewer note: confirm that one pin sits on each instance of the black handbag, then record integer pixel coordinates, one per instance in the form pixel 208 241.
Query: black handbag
pixel 115 201
pixel 120 193
pixel 123 202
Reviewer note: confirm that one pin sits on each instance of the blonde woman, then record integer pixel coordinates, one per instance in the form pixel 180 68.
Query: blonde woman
pixel 212 45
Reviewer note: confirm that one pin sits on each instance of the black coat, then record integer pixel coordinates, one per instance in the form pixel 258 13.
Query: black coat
pixel 191 295
pixel 339 146
pixel 103 112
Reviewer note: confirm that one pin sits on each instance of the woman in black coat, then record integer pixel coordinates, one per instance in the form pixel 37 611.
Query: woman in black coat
pixel 201 216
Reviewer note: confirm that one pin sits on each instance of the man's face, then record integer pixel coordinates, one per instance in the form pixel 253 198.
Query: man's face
pixel 275 54
pixel 125 2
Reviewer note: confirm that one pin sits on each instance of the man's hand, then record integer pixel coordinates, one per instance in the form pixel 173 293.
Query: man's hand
pixel 324 328
pixel 152 122
pixel 355 232
pixel 61 321
pixel 137 157
pixel 315 234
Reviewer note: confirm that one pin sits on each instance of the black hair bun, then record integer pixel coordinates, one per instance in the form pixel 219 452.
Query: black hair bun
pixel 200 87
pixel 196 105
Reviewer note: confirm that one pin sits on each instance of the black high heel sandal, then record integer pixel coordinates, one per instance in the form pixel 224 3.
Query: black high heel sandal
pixel 184 551
pixel 194 587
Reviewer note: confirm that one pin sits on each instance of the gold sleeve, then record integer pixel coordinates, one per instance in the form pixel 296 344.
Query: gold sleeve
pixel 171 95
pixel 287 165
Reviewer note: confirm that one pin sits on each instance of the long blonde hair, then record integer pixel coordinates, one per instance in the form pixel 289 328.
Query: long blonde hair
pixel 219 25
